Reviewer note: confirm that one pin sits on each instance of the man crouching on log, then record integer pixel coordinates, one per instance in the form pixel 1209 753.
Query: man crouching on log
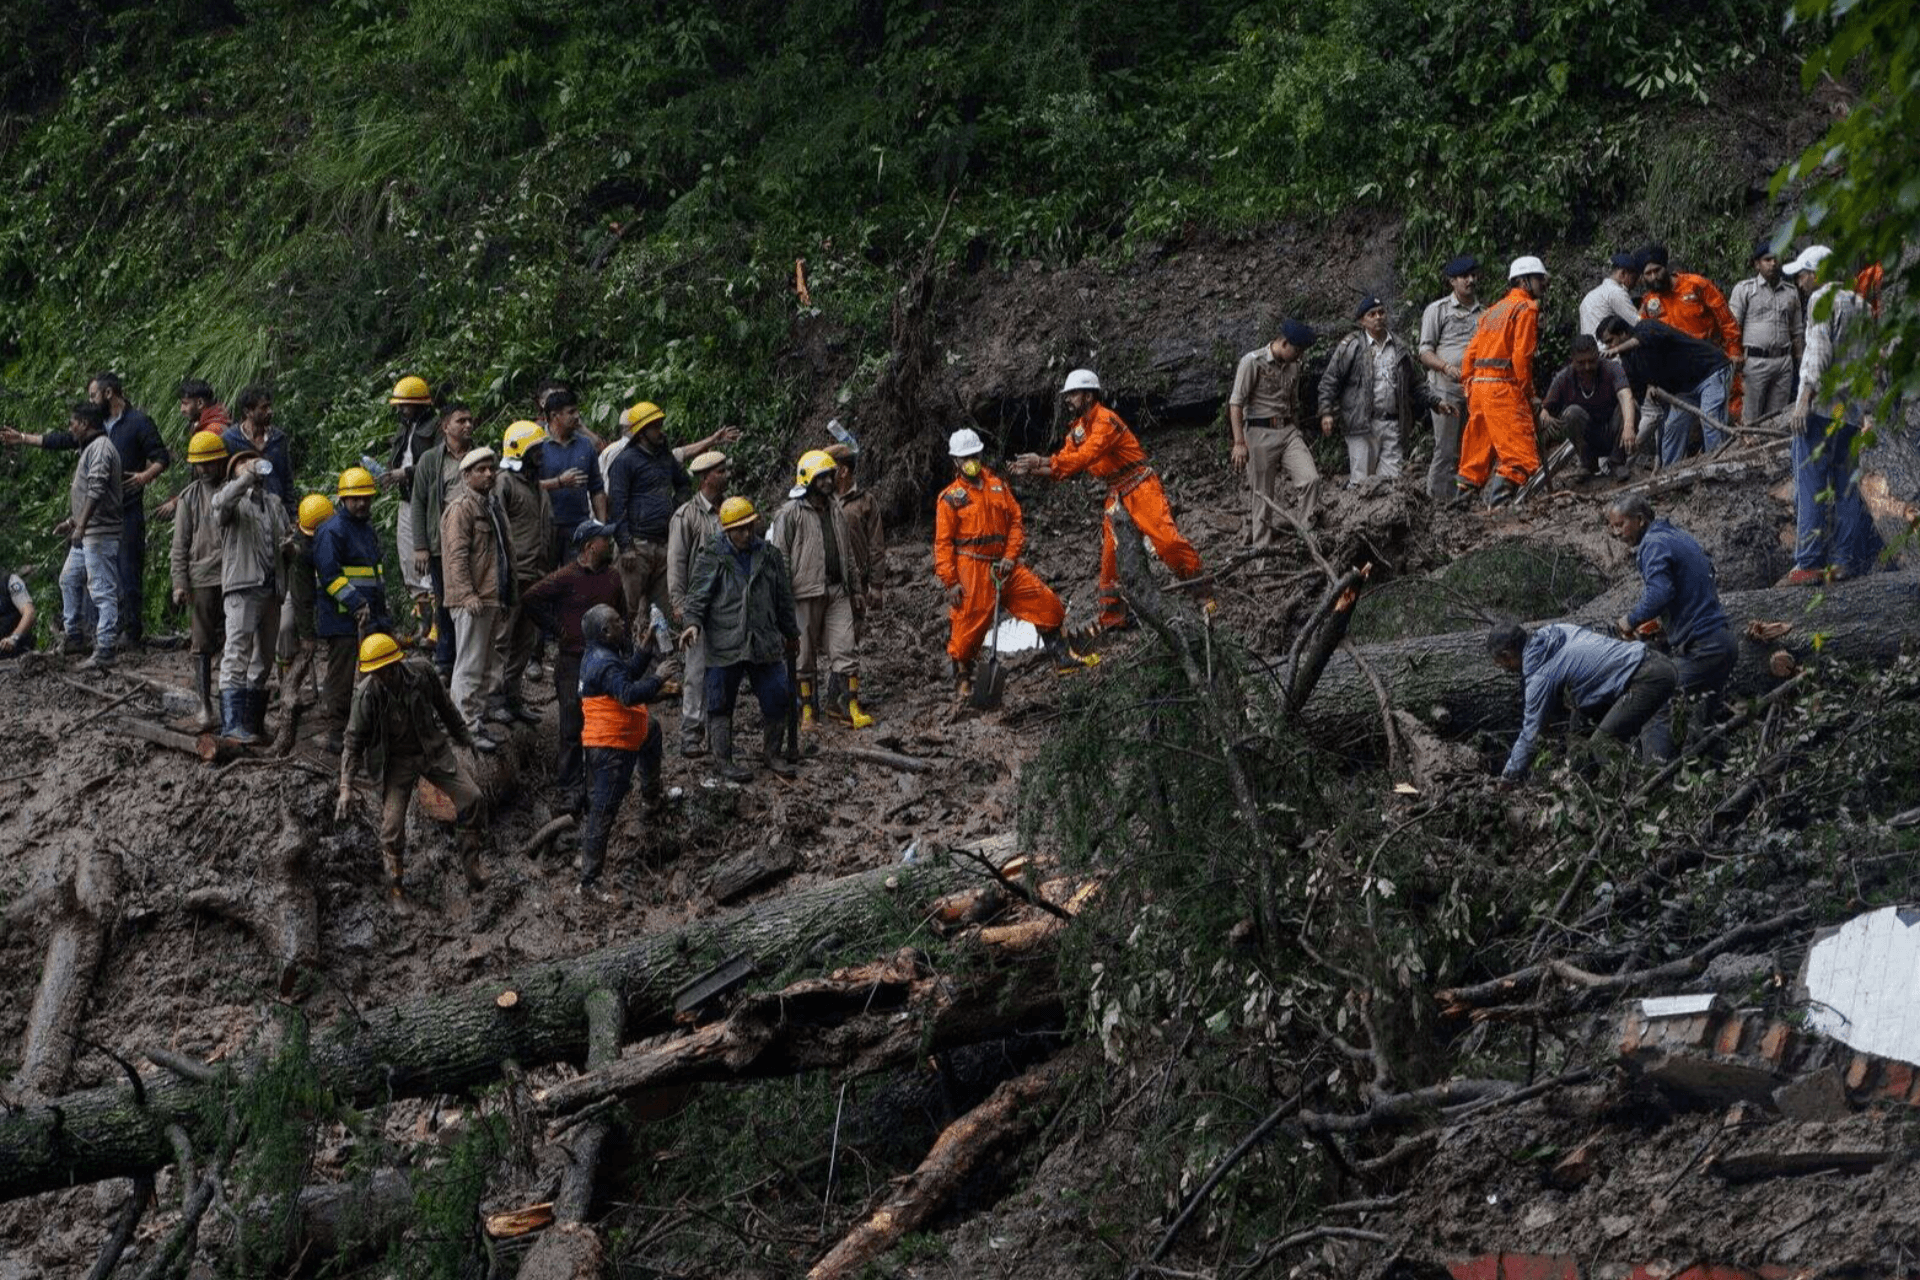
pixel 405 727
pixel 1623 684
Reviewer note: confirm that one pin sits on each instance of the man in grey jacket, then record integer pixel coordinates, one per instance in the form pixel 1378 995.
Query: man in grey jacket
pixel 92 530
pixel 812 535
pixel 1373 389
pixel 253 523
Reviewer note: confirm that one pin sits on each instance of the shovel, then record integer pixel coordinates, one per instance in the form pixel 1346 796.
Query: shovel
pixel 991 683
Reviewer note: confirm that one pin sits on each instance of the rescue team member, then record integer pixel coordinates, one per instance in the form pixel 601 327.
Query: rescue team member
pixel 611 454
pixel 403 728
pixel 1446 327
pixel 1100 444
pixel 1766 307
pixel 416 430
pixel 741 608
pixel 1590 403
pixel 143 456
pixel 648 483
pixel 1373 388
pixel 694 526
pixel 864 526
pixel 477 549
pixel 1264 413
pixel 1498 371
pixel 436 479
pixel 299 625
pixel 253 524
pixel 195 567
pixel 1623 684
pixel 17 616
pixel 811 534
pixel 978 536
pixel 255 433
pixel 1612 296
pixel 1653 354
pixel 346 561
pixel 562 599
pixel 1695 306
pixel 1835 537
pixel 91 574
pixel 1679 594
pixel 529 514
pixel 616 683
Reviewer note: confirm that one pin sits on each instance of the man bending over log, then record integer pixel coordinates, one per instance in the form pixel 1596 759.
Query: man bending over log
pixel 1624 685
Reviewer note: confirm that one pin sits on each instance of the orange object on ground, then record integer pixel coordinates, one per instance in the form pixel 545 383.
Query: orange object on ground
pixel 976 524
pixel 609 722
pixel 1498 373
pixel 1101 445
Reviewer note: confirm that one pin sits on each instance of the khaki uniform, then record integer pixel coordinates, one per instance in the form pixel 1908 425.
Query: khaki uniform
pixel 529 514
pixel 404 734
pixel 196 567
pixel 818 549
pixel 1772 334
pixel 1268 393
pixel 695 525
pixel 1446 328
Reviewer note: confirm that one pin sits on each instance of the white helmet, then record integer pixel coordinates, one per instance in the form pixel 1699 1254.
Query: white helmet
pixel 1527 266
pixel 964 443
pixel 1081 380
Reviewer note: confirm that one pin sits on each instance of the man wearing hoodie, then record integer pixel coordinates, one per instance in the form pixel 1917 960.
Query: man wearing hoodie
pixel 1621 684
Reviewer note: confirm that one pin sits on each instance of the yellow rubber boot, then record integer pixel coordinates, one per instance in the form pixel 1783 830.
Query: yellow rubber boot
pixel 855 716
pixel 807 715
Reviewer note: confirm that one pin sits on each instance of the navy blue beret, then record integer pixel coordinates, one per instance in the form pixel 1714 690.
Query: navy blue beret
pixel 1464 265
pixel 1298 334
pixel 1367 304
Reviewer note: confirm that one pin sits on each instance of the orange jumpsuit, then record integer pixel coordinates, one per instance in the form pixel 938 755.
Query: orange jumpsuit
pixel 1101 445
pixel 1497 371
pixel 977 523
pixel 1695 306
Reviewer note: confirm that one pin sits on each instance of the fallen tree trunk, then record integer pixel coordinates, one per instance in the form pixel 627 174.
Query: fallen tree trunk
pixel 1448 681
pixel 450 1042
pixel 86 907
pixel 279 908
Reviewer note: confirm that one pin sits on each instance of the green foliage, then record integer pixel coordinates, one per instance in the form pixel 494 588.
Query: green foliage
pixel 1516 579
pixel 444 1242
pixel 1859 186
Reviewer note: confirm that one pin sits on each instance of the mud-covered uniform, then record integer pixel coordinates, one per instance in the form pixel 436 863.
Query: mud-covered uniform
pixel 404 731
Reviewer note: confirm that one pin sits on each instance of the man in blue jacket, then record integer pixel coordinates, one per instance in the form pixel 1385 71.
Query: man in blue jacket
pixel 1680 600
pixel 647 484
pixel 1621 684
pixel 616 683
pixel 353 599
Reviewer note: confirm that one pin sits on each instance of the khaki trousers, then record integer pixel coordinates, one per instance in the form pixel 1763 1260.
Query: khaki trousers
pixel 477 668
pixel 643 575
pixel 1768 381
pixel 1273 453
pixel 396 794
pixel 827 633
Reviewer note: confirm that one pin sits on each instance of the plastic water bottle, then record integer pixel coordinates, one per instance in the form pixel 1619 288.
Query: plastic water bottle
pixel 911 854
pixel 662 633
pixel 372 467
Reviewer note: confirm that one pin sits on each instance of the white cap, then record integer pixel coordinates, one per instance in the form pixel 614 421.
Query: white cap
pixel 1081 380
pixel 964 443
pixel 1810 259
pixel 798 491
pixel 474 457
pixel 1526 266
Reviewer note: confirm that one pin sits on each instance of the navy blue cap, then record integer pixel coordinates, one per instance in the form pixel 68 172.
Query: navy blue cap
pixel 1762 248
pixel 589 529
pixel 1367 304
pixel 1464 265
pixel 1653 253
pixel 1624 262
pixel 1299 334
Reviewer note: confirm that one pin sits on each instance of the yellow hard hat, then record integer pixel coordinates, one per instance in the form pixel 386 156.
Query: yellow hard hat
pixel 814 462
pixel 736 511
pixel 315 510
pixel 355 482
pixel 520 437
pixel 411 390
pixel 641 415
pixel 206 446
pixel 379 650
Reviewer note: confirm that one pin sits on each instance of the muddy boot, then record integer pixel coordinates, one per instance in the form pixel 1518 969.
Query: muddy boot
pixel 256 708
pixel 962 673
pixel 720 735
pixel 203 685
pixel 396 873
pixel 72 644
pixel 233 716
pixel 693 740
pixel 652 794
pixel 1061 654
pixel 1499 492
pixel 593 848
pixel 843 702
pixel 467 843
pixel 809 705
pixel 771 754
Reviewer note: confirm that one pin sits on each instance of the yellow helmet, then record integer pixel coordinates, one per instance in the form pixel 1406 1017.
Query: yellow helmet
pixel 355 482
pixel 315 511
pixel 411 390
pixel 736 511
pixel 520 437
pixel 814 462
pixel 641 415
pixel 206 446
pixel 379 650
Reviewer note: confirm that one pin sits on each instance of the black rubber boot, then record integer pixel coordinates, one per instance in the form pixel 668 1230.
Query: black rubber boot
pixel 233 716
pixel 203 685
pixel 593 846
pixel 772 752
pixel 720 735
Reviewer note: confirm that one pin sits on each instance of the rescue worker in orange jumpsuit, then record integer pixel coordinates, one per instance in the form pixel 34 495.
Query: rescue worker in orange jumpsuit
pixel 977 540
pixel 1497 371
pixel 1100 443
pixel 1695 306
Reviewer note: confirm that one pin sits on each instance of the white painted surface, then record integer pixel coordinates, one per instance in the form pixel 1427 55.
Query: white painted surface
pixel 1863 984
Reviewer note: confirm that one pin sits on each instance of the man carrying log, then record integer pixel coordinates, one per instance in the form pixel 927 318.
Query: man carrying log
pixel 1100 443
pixel 1680 600
pixel 978 536
pixel 1624 685
pixel 404 728
pixel 616 683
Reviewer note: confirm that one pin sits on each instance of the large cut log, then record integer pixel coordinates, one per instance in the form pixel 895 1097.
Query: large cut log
pixel 446 1043
pixel 86 906
pixel 1448 681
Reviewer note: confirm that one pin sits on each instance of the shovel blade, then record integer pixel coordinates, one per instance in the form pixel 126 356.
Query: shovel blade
pixel 989 687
